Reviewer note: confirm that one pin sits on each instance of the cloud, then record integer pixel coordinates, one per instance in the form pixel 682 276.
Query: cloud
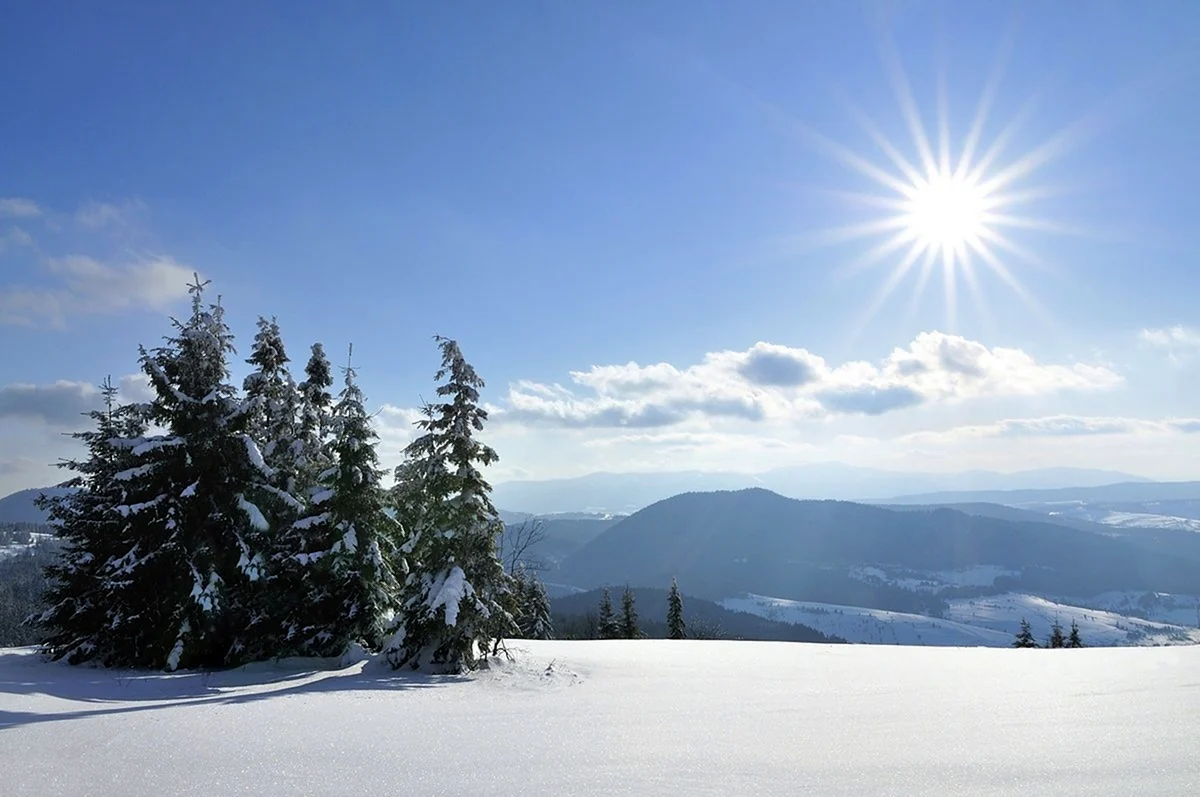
pixel 101 215
pixel 771 382
pixel 1059 426
pixel 17 207
pixel 15 237
pixel 62 404
pixel 87 286
pixel 1178 341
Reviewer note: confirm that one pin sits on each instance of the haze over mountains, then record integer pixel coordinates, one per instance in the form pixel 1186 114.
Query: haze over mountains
pixel 623 493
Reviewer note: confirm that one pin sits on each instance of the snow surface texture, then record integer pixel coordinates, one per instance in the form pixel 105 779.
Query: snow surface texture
pixel 990 621
pixel 644 717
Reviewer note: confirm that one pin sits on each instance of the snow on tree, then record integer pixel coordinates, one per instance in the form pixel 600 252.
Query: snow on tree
pixel 315 418
pixel 676 628
pixel 197 534
pixel 83 610
pixel 607 624
pixel 1074 640
pixel 629 618
pixel 451 615
pixel 1024 637
pixel 348 554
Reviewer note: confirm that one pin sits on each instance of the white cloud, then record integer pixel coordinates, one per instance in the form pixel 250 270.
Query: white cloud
pixel 61 405
pixel 1178 341
pixel 1059 426
pixel 101 215
pixel 771 382
pixel 20 208
pixel 88 286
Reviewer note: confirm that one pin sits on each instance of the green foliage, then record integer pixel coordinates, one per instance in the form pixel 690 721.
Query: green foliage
pixel 629 618
pixel 676 628
pixel 1057 639
pixel 607 625
pixel 22 586
pixel 530 606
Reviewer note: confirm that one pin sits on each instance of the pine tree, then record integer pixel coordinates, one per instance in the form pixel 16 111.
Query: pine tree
pixel 676 629
pixel 1024 638
pixel 83 610
pixel 1074 641
pixel 272 405
pixel 451 615
pixel 350 584
pixel 196 534
pixel 608 626
pixel 1057 640
pixel 629 619
pixel 315 419
pixel 531 606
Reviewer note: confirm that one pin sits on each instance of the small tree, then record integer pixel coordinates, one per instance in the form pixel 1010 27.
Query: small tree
pixel 1024 638
pixel 531 606
pixel 1057 639
pixel 676 629
pixel 607 624
pixel 1074 641
pixel 629 618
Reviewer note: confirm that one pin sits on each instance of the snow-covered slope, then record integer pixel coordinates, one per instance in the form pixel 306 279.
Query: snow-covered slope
pixel 870 626
pixel 991 621
pixel 635 718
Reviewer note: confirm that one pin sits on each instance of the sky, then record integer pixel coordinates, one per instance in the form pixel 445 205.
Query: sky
pixel 671 236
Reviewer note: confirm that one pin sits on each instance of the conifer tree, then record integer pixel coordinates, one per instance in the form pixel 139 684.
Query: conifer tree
pixel 607 625
pixel 350 586
pixel 629 619
pixel 1057 640
pixel 1074 640
pixel 676 629
pixel 451 615
pixel 1024 638
pixel 531 606
pixel 196 533
pixel 315 419
pixel 83 612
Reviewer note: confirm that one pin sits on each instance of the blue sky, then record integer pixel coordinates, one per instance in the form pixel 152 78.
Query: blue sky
pixel 571 187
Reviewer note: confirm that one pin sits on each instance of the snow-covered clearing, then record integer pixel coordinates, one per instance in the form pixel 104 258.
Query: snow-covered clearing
pixel 638 718
pixel 932 580
pixel 990 621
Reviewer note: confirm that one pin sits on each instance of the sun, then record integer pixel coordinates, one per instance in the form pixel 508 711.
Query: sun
pixel 945 212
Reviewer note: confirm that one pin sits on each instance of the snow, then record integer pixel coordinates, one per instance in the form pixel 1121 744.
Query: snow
pixel 257 519
pixel 310 521
pixel 321 496
pixel 256 457
pixel 190 490
pixel 989 621
pixel 449 591
pixel 645 717
pixel 1142 520
pixel 932 580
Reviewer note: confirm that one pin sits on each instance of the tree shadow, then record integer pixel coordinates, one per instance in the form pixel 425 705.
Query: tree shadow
pixel 134 691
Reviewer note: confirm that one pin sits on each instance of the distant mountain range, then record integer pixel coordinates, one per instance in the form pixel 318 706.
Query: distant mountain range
pixel 623 493
pixel 724 544
pixel 20 507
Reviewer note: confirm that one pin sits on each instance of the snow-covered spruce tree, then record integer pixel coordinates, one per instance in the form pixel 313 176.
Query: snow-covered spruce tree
pixel 82 611
pixel 1057 638
pixel 195 530
pixel 531 606
pixel 451 615
pixel 315 419
pixel 349 557
pixel 629 619
pixel 272 405
pixel 607 624
pixel 1024 638
pixel 676 628
pixel 1074 640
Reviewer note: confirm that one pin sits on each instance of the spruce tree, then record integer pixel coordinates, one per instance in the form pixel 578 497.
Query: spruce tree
pixel 196 534
pixel 83 611
pixel 349 581
pixel 1074 640
pixel 315 419
pixel 676 629
pixel 608 626
pixel 1024 638
pixel 629 619
pixel 1057 639
pixel 451 615
pixel 531 606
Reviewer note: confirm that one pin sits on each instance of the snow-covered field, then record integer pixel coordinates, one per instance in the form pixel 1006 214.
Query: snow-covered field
pixel 638 718
pixel 990 621
pixel 932 580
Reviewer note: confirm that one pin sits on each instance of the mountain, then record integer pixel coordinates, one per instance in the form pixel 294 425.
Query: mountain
pixel 627 492
pixel 20 508
pixel 1117 492
pixel 724 544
